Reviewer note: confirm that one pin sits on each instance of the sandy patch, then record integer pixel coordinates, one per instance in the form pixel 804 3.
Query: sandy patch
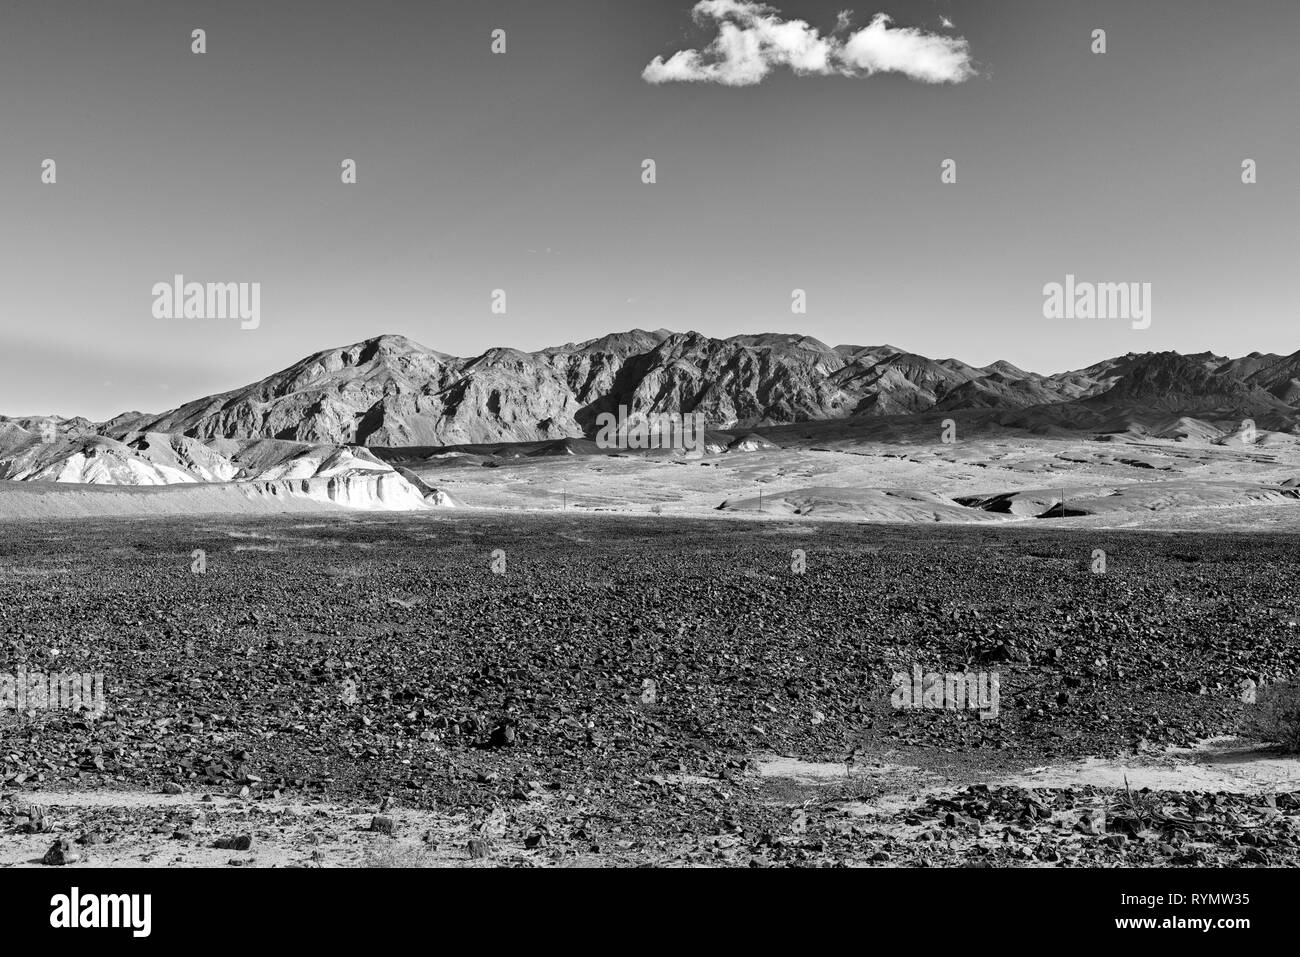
pixel 1220 764
pixel 143 828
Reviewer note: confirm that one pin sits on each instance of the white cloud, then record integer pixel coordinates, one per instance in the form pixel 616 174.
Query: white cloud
pixel 753 39
pixel 928 57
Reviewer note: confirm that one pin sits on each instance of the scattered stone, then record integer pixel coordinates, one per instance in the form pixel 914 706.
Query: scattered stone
pixel 61 852
pixel 1093 821
pixel 503 736
pixel 1248 690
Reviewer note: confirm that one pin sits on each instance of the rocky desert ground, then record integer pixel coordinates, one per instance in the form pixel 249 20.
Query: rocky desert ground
pixel 454 687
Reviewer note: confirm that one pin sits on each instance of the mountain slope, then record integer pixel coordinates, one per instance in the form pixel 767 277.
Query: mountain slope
pixel 392 392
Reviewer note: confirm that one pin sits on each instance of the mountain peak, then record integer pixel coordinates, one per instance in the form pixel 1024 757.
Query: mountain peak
pixel 389 390
pixel 391 342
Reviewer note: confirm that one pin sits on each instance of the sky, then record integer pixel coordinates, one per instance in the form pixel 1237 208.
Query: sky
pixel 522 171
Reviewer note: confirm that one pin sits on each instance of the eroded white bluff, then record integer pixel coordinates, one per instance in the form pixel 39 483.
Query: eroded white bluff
pixel 382 491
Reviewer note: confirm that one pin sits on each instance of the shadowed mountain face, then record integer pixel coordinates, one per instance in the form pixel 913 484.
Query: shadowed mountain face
pixel 390 391
pixel 1169 382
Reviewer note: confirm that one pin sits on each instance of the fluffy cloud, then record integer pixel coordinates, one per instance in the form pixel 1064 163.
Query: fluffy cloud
pixel 753 39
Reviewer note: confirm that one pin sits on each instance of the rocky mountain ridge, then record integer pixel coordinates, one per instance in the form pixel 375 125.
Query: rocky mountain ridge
pixel 390 391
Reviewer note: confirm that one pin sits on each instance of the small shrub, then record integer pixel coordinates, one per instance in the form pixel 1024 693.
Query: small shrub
pixel 1276 715
pixel 1133 811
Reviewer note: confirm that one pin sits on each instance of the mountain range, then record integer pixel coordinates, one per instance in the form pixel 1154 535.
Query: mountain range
pixel 389 391
pixel 390 424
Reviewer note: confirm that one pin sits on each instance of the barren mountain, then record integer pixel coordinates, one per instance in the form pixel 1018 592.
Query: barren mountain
pixel 390 391
pixel 1168 382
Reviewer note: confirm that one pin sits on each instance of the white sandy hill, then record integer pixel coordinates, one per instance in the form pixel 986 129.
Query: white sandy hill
pixel 1106 502
pixel 366 489
pixel 436 497
pixel 268 471
pixel 324 462
pixel 750 442
pixel 1138 497
pixel 95 460
pixel 861 504
pixel 24 500
pixel 1187 429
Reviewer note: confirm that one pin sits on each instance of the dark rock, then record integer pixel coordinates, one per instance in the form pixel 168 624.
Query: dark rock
pixel 61 852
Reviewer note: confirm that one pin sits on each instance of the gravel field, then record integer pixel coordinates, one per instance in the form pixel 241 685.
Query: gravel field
pixel 634 690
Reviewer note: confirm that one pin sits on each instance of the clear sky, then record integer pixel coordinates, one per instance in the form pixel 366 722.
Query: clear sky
pixel 522 172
